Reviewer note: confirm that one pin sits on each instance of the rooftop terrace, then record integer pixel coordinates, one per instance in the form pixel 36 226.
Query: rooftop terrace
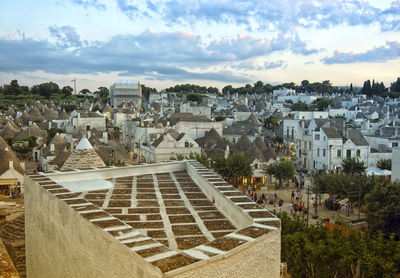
pixel 172 214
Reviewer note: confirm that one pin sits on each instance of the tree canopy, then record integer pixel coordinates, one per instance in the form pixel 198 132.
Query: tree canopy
pixel 383 208
pixel 281 170
pixel 234 167
pixel 384 164
pixel 353 165
pixel 315 252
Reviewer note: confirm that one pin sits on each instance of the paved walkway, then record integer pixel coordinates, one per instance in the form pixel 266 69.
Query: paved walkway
pixel 321 213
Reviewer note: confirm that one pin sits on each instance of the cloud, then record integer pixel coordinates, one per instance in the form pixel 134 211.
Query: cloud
pixel 277 15
pixel 129 9
pixel 391 50
pixel 90 3
pixel 66 36
pixel 273 65
pixel 161 55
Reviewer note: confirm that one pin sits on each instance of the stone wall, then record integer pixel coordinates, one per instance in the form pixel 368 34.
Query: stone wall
pixel 261 258
pixel 61 243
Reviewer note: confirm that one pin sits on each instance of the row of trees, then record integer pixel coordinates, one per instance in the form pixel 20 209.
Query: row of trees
pixel 375 88
pixel 313 251
pixel 320 104
pixel 379 197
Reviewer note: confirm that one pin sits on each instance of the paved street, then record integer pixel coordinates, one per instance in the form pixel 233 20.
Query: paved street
pixel 322 212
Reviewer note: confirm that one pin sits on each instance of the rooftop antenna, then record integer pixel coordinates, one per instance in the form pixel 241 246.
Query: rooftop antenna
pixel 74 80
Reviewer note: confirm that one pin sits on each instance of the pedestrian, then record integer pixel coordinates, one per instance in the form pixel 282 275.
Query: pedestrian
pixel 296 208
pixel 280 205
pixel 275 198
pixel 291 208
pixel 292 196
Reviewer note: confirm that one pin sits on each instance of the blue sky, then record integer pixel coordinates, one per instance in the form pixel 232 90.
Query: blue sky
pixel 213 43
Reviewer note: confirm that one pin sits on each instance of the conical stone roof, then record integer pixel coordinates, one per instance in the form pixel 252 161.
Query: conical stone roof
pixel 8 131
pixel 260 144
pixel 244 143
pixel 7 155
pixel 83 157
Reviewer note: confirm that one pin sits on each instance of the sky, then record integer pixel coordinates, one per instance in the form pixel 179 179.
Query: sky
pixel 210 43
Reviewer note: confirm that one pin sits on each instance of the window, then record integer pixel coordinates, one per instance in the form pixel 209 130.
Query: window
pixel 316 136
pixel 309 146
pixel 339 153
pixel 323 152
pixel 287 133
pixel 317 151
pixel 324 138
pixel 395 144
pixel 186 144
pixel 348 153
pixel 358 153
pixel 256 166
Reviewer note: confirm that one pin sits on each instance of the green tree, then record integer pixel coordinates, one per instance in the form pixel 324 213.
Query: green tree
pixel 281 170
pixel 46 90
pixel 384 164
pixel 102 92
pixel 67 91
pixel 300 106
pixel 227 90
pixel 220 165
pixel 271 123
pixel 395 86
pixel 195 97
pixel 315 252
pixel 352 165
pixel 323 103
pixel 85 92
pixel 383 208
pixel 240 167
pixel 351 186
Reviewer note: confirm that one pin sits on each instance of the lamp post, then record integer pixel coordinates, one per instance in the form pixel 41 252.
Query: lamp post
pixel 359 200
pixel 308 202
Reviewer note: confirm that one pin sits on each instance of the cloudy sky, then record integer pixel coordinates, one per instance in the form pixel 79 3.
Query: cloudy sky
pixel 213 43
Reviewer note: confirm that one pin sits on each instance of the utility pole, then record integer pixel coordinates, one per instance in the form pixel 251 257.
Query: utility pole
pixel 74 80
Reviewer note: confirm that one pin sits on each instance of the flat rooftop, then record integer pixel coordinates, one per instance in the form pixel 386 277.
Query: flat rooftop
pixel 172 214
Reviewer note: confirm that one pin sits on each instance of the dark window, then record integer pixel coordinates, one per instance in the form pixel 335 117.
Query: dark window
pixel 323 152
pixel 358 153
pixel 339 153
pixel 348 153
pixel 186 144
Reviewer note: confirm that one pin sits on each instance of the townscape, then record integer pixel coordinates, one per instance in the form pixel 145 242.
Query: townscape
pixel 284 148
pixel 199 139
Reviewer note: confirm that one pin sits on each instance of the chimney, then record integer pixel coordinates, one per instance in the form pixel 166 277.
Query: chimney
pixel 10 164
pixel 52 147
